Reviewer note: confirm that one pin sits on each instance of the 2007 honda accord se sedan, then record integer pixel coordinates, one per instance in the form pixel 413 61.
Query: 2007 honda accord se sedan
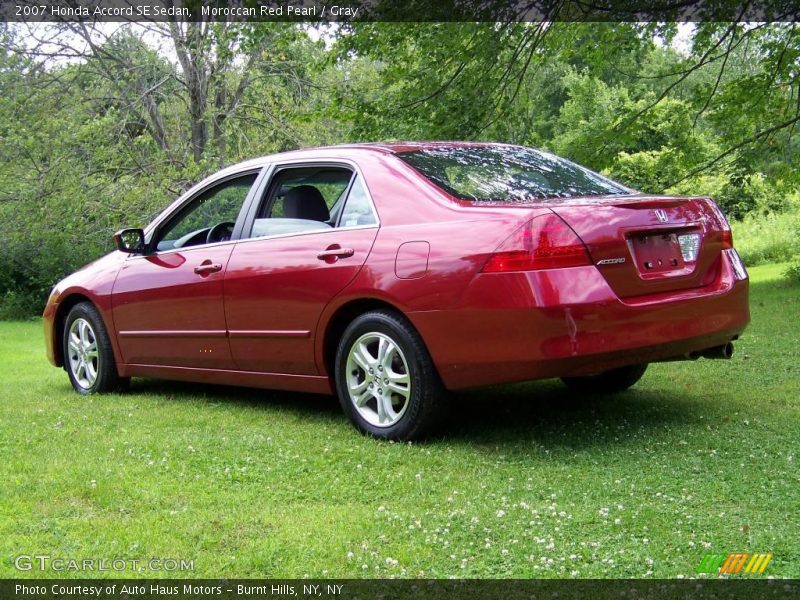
pixel 393 273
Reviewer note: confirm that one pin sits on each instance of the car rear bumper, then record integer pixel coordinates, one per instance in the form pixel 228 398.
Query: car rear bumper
pixel 565 322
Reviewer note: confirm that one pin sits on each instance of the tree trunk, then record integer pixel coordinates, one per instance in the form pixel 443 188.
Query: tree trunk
pixel 190 46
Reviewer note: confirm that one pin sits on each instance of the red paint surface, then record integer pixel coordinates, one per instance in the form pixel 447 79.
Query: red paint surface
pixel 261 320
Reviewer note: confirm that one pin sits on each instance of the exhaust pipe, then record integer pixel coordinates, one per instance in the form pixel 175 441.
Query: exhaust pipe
pixel 723 352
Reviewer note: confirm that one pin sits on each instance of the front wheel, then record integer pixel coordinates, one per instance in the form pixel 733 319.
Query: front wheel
pixel 607 382
pixel 385 378
pixel 88 356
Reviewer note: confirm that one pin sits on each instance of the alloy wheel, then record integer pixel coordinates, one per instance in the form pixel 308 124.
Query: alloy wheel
pixel 378 379
pixel 83 355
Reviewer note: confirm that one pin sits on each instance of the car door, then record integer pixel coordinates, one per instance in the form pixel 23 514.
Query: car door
pixel 310 236
pixel 167 304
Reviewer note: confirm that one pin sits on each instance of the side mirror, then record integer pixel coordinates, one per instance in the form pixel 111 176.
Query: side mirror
pixel 130 240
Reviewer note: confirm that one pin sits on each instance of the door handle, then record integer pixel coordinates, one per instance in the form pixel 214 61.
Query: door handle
pixel 207 267
pixel 334 253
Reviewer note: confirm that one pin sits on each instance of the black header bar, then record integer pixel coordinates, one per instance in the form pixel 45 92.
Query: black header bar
pixel 343 11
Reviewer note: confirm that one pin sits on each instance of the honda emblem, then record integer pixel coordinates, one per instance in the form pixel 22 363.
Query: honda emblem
pixel 661 215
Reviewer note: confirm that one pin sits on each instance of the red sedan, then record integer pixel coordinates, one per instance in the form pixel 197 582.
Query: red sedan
pixel 391 273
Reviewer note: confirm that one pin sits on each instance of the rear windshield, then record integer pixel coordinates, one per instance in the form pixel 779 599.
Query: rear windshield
pixel 507 174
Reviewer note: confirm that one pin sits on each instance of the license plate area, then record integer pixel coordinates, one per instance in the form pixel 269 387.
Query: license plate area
pixel 657 254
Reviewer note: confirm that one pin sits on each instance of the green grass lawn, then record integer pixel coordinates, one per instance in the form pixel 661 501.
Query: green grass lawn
pixel 526 481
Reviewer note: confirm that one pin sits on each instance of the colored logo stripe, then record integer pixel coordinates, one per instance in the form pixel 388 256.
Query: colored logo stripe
pixel 733 563
pixel 758 563
pixel 711 563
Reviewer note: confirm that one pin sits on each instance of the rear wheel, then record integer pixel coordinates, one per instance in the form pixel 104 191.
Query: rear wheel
pixel 88 357
pixel 615 380
pixel 385 378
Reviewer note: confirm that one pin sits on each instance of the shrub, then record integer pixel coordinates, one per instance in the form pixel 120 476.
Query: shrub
pixel 793 271
pixel 768 238
pixel 31 266
pixel 648 171
pixel 751 194
pixel 739 196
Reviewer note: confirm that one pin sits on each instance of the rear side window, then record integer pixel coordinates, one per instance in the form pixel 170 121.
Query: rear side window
pixel 328 183
pixel 301 199
pixel 358 209
pixel 507 174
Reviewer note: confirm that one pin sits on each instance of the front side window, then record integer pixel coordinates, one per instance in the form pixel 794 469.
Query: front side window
pixel 209 218
pixel 507 174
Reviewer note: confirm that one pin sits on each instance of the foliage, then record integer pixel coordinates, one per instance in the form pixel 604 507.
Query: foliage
pixel 110 128
pixel 793 270
pixel 741 195
pixel 90 147
pixel 768 238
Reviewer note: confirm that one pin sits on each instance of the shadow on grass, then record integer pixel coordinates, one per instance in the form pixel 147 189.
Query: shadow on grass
pixel 310 405
pixel 548 413
pixel 544 412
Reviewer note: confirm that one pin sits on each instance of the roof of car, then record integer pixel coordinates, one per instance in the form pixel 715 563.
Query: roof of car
pixel 345 150
pixel 409 146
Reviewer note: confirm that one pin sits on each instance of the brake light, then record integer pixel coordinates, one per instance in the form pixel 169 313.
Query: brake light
pixel 721 223
pixel 727 238
pixel 545 242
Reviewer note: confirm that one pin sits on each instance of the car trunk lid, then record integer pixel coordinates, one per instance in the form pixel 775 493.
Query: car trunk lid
pixel 650 244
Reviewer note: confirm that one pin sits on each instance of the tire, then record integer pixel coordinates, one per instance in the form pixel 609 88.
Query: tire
pixel 608 382
pixel 403 397
pixel 88 356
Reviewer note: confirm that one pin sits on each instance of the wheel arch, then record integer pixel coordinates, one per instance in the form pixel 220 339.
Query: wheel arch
pixel 341 318
pixel 64 306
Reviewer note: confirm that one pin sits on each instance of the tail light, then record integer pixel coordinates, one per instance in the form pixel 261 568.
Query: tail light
pixel 722 224
pixel 545 242
pixel 727 238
